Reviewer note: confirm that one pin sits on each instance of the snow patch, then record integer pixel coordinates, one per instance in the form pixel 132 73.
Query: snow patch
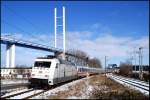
pixel 26 94
pixel 11 91
pixel 14 92
pixel 56 90
pixel 4 82
pixel 72 97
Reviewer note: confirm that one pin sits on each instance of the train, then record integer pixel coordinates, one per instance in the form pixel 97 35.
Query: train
pixel 49 71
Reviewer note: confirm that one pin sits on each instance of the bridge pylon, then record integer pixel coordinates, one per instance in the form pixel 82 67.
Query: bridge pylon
pixel 63 27
pixel 10 55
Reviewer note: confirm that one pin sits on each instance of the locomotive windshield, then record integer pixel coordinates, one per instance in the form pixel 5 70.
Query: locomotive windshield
pixel 42 64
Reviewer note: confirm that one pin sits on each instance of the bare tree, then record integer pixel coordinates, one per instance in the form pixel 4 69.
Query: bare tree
pixel 82 58
pixel 125 69
pixel 79 58
pixel 95 62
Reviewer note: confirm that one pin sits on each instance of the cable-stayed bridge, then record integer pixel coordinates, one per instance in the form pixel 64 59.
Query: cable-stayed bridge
pixel 27 44
pixel 11 43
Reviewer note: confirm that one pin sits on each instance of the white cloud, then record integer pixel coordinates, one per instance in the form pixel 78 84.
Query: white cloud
pixel 112 46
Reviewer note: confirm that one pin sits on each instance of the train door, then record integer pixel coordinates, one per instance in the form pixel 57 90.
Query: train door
pixel 64 71
pixel 57 71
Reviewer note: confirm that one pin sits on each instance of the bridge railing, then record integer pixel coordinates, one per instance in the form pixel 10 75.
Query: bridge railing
pixel 23 43
pixel 14 40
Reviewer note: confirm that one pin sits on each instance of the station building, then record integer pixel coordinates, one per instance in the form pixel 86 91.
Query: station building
pixel 16 72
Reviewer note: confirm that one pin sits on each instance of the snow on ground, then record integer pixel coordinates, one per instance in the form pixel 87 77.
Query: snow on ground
pixel 14 81
pixel 79 89
pixel 58 89
pixel 128 85
pixel 24 95
pixel 15 92
pixel 6 82
pixel 73 97
pixel 83 89
pixel 86 92
pixel 11 91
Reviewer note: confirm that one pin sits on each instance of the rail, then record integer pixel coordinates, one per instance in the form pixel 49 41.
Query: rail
pixel 141 86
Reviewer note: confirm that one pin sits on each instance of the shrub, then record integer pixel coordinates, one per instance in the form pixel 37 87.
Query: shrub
pixel 118 95
pixel 135 75
pixel 146 77
pixel 125 70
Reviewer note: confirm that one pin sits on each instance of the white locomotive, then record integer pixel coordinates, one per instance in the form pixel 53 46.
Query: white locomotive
pixel 51 71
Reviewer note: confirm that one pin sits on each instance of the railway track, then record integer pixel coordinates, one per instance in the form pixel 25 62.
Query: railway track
pixel 16 93
pixel 25 94
pixel 29 93
pixel 141 86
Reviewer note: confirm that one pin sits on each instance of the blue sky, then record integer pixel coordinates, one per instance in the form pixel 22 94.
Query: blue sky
pixel 113 26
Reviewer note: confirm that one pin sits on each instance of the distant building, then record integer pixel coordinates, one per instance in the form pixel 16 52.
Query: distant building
pixel 112 65
pixel 16 72
pixel 113 68
pixel 136 68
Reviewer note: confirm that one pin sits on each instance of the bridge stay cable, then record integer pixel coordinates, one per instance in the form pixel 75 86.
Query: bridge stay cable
pixel 25 20
pixel 21 30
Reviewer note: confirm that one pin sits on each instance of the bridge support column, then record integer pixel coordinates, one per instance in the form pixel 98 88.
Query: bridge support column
pixel 13 56
pixel 8 55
